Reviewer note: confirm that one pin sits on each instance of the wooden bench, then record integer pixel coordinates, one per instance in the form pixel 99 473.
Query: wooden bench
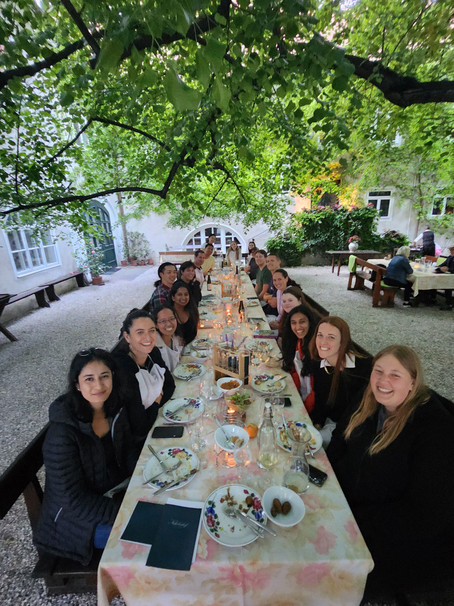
pixel 389 292
pixel 60 574
pixel 50 286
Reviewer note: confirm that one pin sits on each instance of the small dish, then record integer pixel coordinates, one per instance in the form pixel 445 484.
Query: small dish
pixel 294 516
pixel 237 434
pixel 234 385
pixel 201 355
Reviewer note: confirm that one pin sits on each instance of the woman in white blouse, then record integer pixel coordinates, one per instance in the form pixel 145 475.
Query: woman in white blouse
pixel 169 343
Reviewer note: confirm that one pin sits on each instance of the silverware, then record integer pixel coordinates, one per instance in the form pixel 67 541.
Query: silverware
pixel 245 516
pixel 227 438
pixel 232 513
pixel 174 482
pixel 169 470
pixel 174 412
pixel 154 453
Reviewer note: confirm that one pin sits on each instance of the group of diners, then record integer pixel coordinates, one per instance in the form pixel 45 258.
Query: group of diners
pixel 387 435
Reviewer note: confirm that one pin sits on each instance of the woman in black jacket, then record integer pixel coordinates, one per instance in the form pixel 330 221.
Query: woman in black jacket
pixel 145 379
pixel 88 450
pixel 394 459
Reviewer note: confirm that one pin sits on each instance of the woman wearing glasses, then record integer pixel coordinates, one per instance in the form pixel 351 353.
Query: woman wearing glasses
pixel 167 341
pixel 88 451
pixel 147 381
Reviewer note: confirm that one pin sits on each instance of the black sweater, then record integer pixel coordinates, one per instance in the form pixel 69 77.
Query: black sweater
pixel 403 496
pixel 141 419
pixel 77 476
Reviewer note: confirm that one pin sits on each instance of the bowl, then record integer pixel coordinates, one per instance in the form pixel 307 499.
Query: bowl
pixel 295 515
pixel 233 431
pixel 201 355
pixel 229 390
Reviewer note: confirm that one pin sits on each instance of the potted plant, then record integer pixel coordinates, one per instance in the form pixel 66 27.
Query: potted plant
pixel 353 243
pixel 139 247
pixel 92 260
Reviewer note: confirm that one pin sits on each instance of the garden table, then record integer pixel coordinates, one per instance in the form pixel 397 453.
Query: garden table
pixel 344 254
pixel 321 561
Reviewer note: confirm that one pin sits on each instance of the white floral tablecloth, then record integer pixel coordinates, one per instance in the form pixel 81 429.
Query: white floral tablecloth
pixel 321 561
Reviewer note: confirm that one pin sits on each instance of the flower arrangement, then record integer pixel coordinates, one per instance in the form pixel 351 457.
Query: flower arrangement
pixel 354 239
pixel 91 259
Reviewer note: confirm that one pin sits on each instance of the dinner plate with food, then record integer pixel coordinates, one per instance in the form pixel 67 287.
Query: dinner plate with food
pixel 183 410
pixel 231 530
pixel 283 441
pixel 202 343
pixel 188 371
pixel 184 462
pixel 268 383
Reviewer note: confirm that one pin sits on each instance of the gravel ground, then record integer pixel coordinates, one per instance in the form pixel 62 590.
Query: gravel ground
pixel 33 373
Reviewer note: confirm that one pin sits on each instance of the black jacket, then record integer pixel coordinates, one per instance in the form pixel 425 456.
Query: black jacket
pixel 141 419
pixel 76 479
pixel 403 496
pixel 351 386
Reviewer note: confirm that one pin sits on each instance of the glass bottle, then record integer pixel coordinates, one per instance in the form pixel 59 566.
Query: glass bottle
pixel 267 440
pixel 209 282
pixel 297 475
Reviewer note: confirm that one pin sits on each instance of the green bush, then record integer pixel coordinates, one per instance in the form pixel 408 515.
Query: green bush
pixel 285 248
pixel 389 240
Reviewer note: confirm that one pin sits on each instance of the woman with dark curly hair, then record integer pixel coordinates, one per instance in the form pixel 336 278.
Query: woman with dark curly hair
pixel 186 273
pixel 88 450
pixel 185 310
pixel 297 332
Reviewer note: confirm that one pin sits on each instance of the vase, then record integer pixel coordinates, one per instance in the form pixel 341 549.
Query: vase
pixel 353 246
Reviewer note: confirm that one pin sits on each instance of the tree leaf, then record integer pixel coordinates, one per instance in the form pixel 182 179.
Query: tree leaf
pixel 182 97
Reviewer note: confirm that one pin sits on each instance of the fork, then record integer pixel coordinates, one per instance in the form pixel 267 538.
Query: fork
pixel 169 470
pixel 155 454
pixel 231 513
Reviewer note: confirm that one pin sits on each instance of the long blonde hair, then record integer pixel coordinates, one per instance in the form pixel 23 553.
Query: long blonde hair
pixel 395 422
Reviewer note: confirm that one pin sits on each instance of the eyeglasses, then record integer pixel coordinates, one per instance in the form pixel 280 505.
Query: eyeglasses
pixel 167 321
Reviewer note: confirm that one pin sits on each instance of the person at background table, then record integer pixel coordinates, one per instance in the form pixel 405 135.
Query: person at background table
pixel 212 240
pixel 251 266
pixel 210 263
pixel 297 332
pixel 428 242
pixel 169 343
pixel 340 373
pixel 273 263
pixel 281 280
pixel 167 273
pixel 394 459
pixel 263 277
pixel 88 450
pixel 233 254
pixel 187 275
pixel 444 268
pixel 199 258
pixel 146 380
pixel 398 270
pixel 185 311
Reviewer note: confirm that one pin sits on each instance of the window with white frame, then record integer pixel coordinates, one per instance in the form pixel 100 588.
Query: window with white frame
pixel 30 254
pixel 224 237
pixel 442 205
pixel 381 200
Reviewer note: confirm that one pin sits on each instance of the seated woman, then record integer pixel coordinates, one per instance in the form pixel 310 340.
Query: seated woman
pixel 394 459
pixel 340 373
pixel 185 311
pixel 281 281
pixel 397 273
pixel 297 332
pixel 187 275
pixel 167 273
pixel 233 254
pixel 167 341
pixel 87 451
pixel 291 297
pixel 146 380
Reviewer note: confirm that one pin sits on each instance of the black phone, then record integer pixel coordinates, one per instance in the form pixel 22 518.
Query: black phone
pixel 317 476
pixel 287 402
pixel 168 432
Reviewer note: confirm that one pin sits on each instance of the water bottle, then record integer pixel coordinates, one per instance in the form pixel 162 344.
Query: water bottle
pixel 267 440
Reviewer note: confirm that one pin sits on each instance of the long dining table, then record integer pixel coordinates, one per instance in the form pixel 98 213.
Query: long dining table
pixel 321 561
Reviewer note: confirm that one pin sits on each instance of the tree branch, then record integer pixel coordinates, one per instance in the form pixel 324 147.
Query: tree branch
pixel 402 91
pixel 75 16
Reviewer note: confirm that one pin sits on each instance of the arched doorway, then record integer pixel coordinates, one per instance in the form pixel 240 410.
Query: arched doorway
pixel 224 236
pixel 101 219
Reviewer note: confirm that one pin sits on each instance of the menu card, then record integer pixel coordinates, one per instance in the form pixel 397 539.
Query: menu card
pixel 172 530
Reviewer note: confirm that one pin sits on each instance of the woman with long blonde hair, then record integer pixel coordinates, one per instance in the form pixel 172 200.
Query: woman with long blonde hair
pixel 394 458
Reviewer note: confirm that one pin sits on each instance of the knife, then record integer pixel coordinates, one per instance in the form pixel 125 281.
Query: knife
pixel 154 453
pixel 174 412
pixel 242 514
pixel 177 481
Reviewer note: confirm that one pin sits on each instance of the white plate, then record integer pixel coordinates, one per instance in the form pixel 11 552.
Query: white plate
pixel 284 443
pixel 253 303
pixel 258 345
pixel 170 455
pixel 231 431
pixel 207 315
pixel 230 531
pixel 191 370
pixel 201 355
pixel 201 343
pixel 259 383
pixel 193 409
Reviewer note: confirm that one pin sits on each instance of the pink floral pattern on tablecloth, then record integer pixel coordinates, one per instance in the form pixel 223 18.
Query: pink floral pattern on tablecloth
pixel 312 501
pixel 324 541
pixel 352 528
pixel 240 576
pixel 312 574
pixel 129 550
